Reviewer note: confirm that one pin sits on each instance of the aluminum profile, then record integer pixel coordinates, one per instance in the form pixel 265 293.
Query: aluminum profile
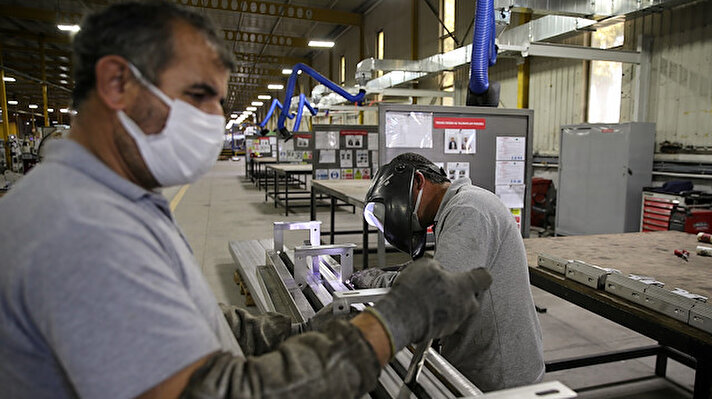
pixel 701 317
pixel 667 303
pixel 587 274
pixel 553 263
pixel 626 288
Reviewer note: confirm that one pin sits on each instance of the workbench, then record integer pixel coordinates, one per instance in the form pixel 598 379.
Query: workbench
pixel 288 172
pixel 352 192
pixel 647 254
pixel 258 176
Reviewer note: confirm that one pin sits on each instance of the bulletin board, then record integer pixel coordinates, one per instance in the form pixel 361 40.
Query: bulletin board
pixel 491 146
pixel 344 152
pixel 298 149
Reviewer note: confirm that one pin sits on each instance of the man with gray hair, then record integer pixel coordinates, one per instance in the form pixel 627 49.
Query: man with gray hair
pixel 101 295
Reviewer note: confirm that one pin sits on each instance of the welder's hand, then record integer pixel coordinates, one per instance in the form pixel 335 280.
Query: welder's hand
pixel 321 318
pixel 373 278
pixel 427 301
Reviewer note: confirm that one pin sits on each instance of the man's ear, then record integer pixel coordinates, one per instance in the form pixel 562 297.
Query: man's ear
pixel 112 76
pixel 419 180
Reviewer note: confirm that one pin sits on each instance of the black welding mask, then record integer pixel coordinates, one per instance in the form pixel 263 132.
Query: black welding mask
pixel 390 207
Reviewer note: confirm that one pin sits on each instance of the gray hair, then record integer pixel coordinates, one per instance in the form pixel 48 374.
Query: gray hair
pixel 141 32
pixel 422 164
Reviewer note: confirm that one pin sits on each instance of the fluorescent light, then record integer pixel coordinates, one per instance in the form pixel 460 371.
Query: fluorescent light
pixel 64 68
pixel 251 108
pixel 258 103
pixel 50 109
pixel 9 79
pixel 321 43
pixel 63 75
pixel 12 102
pixel 32 106
pixel 64 110
pixel 69 28
pixel 264 97
pixel 286 71
pixel 275 86
pixel 233 116
pixel 229 124
pixel 64 82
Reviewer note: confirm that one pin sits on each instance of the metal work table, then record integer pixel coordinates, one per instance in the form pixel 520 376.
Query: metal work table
pixel 259 176
pixel 649 254
pixel 288 171
pixel 352 192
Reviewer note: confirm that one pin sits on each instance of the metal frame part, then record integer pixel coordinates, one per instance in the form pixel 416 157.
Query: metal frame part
pixel 344 299
pixel 553 263
pixel 302 268
pixel 313 226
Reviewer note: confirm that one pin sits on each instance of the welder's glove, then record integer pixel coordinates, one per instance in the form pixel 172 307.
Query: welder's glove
pixel 377 277
pixel 257 334
pixel 373 278
pixel 321 318
pixel 427 301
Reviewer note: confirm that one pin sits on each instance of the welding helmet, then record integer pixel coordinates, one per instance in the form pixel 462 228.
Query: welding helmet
pixel 390 208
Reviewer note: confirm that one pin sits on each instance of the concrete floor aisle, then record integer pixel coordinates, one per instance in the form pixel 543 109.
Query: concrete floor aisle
pixel 222 206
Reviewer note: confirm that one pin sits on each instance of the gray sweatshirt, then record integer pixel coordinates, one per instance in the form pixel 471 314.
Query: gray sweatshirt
pixel 501 346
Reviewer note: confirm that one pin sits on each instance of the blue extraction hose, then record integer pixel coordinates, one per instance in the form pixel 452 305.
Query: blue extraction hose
pixel 484 53
pixel 303 103
pixel 291 83
pixel 275 104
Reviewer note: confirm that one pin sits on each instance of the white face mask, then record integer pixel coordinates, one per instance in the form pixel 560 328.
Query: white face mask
pixel 186 148
pixel 414 219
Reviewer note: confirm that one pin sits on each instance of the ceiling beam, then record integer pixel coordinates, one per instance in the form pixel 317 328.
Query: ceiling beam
pixel 39 14
pixel 33 36
pixel 311 14
pixel 261 38
pixel 48 51
pixel 269 59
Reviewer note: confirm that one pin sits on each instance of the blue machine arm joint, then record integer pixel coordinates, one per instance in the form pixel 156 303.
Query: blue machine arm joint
pixel 291 83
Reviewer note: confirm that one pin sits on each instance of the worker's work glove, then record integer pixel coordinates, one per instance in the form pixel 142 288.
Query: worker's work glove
pixel 427 301
pixel 256 334
pixel 377 277
pixel 321 318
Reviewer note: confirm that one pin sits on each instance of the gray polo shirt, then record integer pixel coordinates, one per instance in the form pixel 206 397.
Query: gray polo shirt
pixel 100 294
pixel 500 347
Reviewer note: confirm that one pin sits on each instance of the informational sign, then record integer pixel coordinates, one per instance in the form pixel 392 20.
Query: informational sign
pixel 326 140
pixel 321 174
pixel 327 156
pixel 373 141
pixel 511 148
pixel 512 195
pixel 334 174
pixel 347 160
pixel 509 172
pixel 456 170
pixel 442 122
pixel 460 141
pixel 409 130
pixel 347 174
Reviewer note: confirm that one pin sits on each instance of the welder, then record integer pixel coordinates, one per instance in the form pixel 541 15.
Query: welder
pixel 501 346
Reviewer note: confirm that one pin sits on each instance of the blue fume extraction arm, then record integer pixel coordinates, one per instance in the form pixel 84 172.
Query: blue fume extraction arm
pixel 302 104
pixel 281 129
pixel 480 91
pixel 275 104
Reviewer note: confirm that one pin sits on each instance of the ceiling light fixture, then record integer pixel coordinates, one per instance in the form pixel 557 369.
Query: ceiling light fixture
pixel 64 110
pixel 69 28
pixel 32 106
pixel 50 109
pixel 12 102
pixel 321 43
pixel 258 103
pixel 264 97
pixel 251 108
pixel 275 86
pixel 64 82
pixel 9 79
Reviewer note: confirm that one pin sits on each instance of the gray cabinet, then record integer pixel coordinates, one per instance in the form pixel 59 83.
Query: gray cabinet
pixel 602 171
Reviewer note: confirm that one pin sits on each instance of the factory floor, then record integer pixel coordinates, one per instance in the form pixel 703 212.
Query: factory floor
pixel 223 206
